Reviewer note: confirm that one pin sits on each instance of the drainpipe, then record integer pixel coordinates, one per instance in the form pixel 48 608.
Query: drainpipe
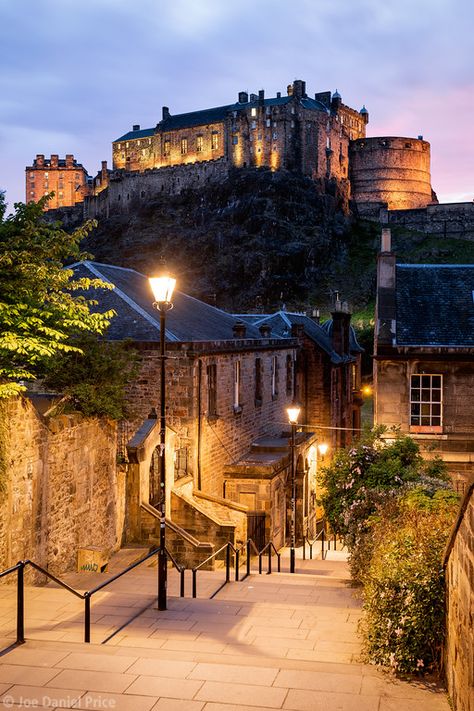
pixel 199 394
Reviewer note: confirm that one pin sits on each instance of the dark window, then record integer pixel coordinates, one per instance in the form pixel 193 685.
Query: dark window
pixel 212 389
pixel 274 376
pixel 181 463
pixel 426 399
pixel 258 381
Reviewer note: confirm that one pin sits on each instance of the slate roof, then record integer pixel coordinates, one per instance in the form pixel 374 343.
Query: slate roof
pixel 435 305
pixel 215 115
pixel 281 322
pixel 142 133
pixel 189 319
pixel 354 345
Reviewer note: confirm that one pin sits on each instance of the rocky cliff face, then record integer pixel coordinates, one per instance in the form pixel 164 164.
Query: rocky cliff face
pixel 257 238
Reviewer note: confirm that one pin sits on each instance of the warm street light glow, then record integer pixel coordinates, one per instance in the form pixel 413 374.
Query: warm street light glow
pixel 366 390
pixel 323 448
pixel 162 287
pixel 293 414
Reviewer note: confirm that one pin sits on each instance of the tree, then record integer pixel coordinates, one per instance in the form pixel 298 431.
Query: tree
pixel 42 305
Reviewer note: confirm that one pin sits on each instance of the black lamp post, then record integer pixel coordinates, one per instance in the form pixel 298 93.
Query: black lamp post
pixel 162 287
pixel 293 414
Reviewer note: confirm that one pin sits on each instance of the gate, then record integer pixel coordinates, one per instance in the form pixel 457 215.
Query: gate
pixel 256 528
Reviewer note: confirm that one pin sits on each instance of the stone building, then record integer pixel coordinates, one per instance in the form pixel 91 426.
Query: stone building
pixel 65 177
pixel 296 132
pixel 424 356
pixel 228 386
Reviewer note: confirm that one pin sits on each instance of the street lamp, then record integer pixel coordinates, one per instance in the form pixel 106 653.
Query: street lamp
pixel 323 448
pixel 293 413
pixel 162 287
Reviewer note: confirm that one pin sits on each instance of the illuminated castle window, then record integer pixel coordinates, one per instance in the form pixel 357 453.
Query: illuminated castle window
pixel 167 148
pixel 253 112
pixel 199 144
pixel 184 146
pixel 214 140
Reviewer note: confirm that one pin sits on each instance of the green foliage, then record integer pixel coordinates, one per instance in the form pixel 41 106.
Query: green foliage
pixel 93 378
pixel 40 309
pixel 403 580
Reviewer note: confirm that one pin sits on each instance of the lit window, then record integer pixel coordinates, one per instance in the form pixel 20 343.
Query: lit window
pixel 119 146
pixel 214 140
pixel 46 174
pixel 126 145
pixel 253 125
pixel 274 376
pixel 199 144
pixel 138 142
pixel 269 123
pixel 275 135
pixel 60 195
pixel 184 146
pixel 253 112
pixel 236 384
pixel 32 192
pixel 426 398
pixel 212 389
pixel 167 148
pixel 235 139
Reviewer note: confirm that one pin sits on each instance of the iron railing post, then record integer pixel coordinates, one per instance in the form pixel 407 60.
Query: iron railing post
pixel 322 544
pixel 278 562
pixel 260 563
pixel 194 583
pixel 87 617
pixel 181 582
pixel 269 571
pixel 248 557
pixel 20 604
pixel 237 562
pixel 304 547
pixel 227 563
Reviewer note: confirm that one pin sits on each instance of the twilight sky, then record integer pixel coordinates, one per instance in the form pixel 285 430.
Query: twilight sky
pixel 76 74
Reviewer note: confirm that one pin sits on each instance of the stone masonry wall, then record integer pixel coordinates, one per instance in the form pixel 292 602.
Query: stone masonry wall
pixel 452 220
pixel 459 647
pixel 63 489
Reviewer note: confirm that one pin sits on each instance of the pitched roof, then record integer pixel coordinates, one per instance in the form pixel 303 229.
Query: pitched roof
pixel 189 320
pixel 216 114
pixel 281 322
pixel 435 305
pixel 354 345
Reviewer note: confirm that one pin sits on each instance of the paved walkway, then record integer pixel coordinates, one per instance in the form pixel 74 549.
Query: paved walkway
pixel 270 642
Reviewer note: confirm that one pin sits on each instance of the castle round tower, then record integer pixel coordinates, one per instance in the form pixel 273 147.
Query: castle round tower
pixel 391 170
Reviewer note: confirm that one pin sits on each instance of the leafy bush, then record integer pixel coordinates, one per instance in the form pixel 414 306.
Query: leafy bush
pixel 94 380
pixel 403 627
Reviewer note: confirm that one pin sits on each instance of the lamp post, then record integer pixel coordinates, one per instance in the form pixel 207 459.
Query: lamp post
pixel 162 287
pixel 293 414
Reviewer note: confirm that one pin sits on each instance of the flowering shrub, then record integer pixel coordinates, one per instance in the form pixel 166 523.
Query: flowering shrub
pixel 403 626
pixel 395 511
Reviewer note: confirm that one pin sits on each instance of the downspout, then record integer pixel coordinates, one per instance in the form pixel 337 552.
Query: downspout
pixel 199 432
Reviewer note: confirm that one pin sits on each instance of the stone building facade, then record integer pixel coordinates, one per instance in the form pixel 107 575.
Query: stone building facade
pixel 424 357
pixel 65 177
pixel 296 132
pixel 228 386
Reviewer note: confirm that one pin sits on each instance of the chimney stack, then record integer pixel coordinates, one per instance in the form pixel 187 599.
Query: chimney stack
pixel 136 127
pixel 165 113
pixel 385 307
pixel 386 245
pixel 39 162
pixel 315 315
pixel 341 321
pixel 243 97
pixel 54 160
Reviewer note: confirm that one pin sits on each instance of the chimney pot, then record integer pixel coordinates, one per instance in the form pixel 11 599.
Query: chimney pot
pixel 243 97
pixel 165 113
pixel 136 127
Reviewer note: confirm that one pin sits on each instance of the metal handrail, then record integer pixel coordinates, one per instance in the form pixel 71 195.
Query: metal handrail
pixel 270 546
pixel 86 596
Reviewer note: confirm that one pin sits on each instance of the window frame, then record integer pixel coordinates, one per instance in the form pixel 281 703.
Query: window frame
pixel 258 382
pixel 426 403
pixel 237 386
pixel 274 377
pixel 211 373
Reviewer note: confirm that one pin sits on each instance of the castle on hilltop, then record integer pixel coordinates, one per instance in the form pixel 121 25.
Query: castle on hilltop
pixel 319 137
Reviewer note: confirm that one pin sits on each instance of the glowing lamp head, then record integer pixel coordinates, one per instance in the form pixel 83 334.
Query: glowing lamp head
pixel 162 287
pixel 367 390
pixel 293 413
pixel 322 448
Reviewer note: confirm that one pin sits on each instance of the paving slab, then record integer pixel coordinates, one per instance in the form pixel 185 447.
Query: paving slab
pixel 283 641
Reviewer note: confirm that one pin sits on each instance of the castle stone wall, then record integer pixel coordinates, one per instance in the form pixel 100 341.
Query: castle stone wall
pixel 454 220
pixel 63 491
pixel 128 190
pixel 392 170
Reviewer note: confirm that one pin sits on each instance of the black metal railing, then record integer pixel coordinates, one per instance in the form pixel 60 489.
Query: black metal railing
pixel 268 550
pixel 325 539
pixel 87 596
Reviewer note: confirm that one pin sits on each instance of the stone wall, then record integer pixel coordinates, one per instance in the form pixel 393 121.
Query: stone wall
pixel 63 490
pixel 453 220
pixel 128 190
pixel 459 645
